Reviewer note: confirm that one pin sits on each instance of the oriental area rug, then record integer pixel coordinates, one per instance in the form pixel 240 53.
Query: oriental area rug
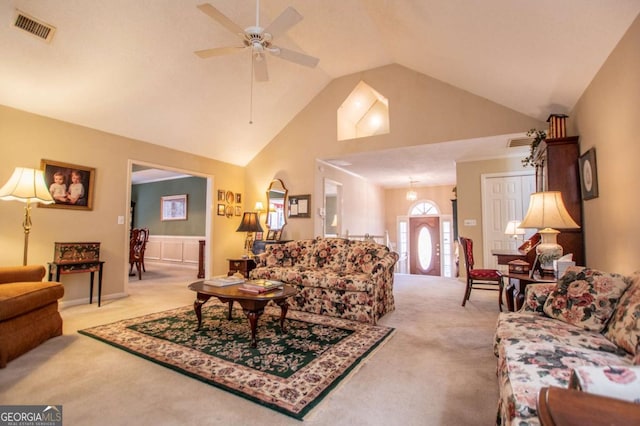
pixel 290 372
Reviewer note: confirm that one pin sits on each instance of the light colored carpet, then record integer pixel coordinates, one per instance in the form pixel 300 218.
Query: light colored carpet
pixel 438 368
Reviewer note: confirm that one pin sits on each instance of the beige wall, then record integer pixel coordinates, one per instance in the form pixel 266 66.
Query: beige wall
pixel 398 205
pixel 25 139
pixel 606 117
pixel 422 110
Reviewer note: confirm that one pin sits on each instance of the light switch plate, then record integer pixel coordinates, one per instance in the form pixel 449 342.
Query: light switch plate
pixel 470 222
pixel 120 220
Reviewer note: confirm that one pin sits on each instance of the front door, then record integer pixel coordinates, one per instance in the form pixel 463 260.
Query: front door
pixel 424 258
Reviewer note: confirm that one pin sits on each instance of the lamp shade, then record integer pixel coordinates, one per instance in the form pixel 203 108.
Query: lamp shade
pixel 547 210
pixel 26 185
pixel 250 223
pixel 513 228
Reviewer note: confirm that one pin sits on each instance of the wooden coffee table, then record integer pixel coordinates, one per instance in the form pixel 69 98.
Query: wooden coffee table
pixel 252 304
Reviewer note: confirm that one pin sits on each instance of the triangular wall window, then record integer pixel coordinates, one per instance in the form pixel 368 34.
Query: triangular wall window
pixel 365 112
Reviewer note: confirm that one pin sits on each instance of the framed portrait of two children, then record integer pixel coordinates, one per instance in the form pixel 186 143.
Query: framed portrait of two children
pixel 70 185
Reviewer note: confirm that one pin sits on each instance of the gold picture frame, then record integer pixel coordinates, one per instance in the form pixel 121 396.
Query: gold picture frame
pixel 70 185
pixel 173 207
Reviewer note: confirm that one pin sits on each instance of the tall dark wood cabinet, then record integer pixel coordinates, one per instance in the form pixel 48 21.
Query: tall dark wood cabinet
pixel 557 170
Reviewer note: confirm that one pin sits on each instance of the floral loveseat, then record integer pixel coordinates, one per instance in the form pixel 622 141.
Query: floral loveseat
pixel 334 276
pixel 582 332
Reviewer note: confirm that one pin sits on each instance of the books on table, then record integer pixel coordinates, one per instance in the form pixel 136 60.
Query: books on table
pixel 223 280
pixel 260 286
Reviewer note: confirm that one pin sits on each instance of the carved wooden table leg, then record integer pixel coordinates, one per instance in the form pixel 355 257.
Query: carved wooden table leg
pixel 253 321
pixel 197 306
pixel 284 307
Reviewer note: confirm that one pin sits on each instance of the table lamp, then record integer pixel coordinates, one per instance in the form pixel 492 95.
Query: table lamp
pixel 513 228
pixel 28 186
pixel 250 224
pixel 547 211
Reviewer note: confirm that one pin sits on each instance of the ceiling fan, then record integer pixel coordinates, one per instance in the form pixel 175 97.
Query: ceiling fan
pixel 258 39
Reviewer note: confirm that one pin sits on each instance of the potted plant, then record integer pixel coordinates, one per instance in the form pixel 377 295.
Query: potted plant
pixel 538 136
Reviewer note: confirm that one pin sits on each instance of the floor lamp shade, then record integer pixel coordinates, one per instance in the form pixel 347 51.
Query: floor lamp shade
pixel 28 186
pixel 547 212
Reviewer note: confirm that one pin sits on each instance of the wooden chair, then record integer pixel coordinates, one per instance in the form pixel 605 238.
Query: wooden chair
pixel 487 279
pixel 136 251
pixel 145 238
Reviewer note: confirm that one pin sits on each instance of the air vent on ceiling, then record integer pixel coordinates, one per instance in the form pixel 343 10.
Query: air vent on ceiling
pixel 518 142
pixel 34 26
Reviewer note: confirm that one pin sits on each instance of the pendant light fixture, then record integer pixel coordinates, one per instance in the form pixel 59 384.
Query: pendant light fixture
pixel 412 195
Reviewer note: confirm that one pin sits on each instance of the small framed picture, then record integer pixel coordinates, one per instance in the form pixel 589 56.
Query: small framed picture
pixel 173 207
pixel 229 211
pixel 238 198
pixel 221 195
pixel 221 209
pixel 71 186
pixel 271 235
pixel 588 175
pixel 300 205
pixel 259 236
pixel 277 235
pixel 230 197
pixel 238 211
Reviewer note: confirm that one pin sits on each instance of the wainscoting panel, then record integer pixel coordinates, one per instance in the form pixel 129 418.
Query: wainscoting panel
pixel 173 249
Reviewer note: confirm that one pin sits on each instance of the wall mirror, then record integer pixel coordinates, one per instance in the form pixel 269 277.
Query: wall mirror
pixel 277 205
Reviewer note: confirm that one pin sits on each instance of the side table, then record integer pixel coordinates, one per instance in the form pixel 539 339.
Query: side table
pixel 244 266
pixel 517 284
pixel 77 268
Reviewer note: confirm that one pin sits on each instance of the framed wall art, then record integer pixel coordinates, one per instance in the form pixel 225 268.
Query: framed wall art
pixel 221 209
pixel 238 198
pixel 70 185
pixel 588 175
pixel 300 205
pixel 173 207
pixel 238 211
pixel 221 195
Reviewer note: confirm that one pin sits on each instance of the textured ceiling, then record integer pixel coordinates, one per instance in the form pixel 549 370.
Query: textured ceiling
pixel 128 67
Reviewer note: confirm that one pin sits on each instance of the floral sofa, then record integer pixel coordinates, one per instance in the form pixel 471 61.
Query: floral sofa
pixel 334 276
pixel 581 332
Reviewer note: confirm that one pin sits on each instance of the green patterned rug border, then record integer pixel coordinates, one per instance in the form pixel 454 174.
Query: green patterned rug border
pixel 294 396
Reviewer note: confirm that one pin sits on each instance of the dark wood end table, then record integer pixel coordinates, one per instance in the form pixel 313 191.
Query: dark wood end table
pixel 244 266
pixel 252 304
pixel 77 268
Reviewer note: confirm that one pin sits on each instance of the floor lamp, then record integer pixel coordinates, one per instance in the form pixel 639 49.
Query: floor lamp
pixel 28 186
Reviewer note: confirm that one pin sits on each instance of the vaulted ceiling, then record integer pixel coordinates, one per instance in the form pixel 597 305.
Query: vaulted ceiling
pixel 127 66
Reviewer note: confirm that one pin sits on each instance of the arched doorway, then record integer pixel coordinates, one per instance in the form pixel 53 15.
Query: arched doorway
pixel 424 238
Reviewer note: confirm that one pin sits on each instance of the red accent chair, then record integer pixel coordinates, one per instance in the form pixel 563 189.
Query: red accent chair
pixel 487 279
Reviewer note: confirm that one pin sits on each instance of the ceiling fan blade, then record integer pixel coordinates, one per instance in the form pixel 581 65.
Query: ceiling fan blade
pixel 218 51
pixel 287 19
pixel 218 16
pixel 260 67
pixel 293 56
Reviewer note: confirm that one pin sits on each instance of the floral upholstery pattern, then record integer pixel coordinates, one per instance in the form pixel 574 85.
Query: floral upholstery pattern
pixel 536 351
pixel 621 382
pixel 624 327
pixel 586 297
pixel 334 276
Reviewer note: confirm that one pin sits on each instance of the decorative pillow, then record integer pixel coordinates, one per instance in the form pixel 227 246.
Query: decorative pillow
pixel 535 295
pixel 586 298
pixel 624 327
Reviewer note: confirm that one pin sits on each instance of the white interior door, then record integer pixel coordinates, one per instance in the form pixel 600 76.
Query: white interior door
pixel 504 198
